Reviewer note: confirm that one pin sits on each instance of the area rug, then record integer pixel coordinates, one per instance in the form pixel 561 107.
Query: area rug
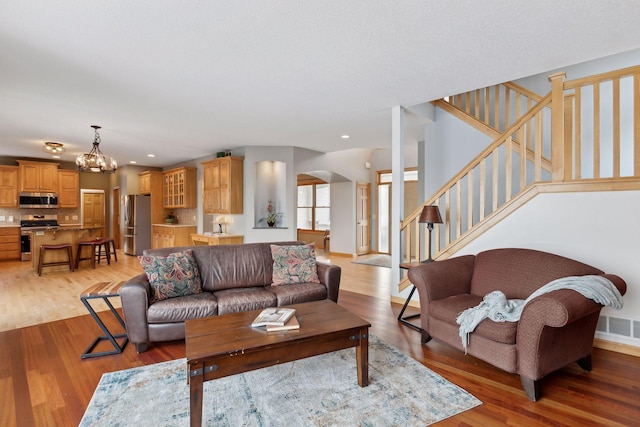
pixel 317 391
pixel 377 260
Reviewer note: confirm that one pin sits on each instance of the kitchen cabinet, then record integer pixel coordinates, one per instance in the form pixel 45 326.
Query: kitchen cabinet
pixel 68 189
pixel 41 177
pixel 217 239
pixel 9 186
pixel 223 185
pixel 150 183
pixel 9 243
pixel 179 188
pixel 169 236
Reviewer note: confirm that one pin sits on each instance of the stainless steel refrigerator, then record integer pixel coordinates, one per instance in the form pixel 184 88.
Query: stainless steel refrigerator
pixel 137 224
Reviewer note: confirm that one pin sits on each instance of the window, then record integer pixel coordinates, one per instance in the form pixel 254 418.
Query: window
pixel 314 206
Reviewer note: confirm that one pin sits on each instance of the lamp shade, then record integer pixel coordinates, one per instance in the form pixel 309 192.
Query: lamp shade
pixel 430 214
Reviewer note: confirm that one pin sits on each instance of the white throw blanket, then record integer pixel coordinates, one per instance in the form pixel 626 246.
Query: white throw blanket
pixel 497 307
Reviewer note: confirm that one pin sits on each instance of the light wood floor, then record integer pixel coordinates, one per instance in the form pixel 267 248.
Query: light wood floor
pixel 29 299
pixel 43 381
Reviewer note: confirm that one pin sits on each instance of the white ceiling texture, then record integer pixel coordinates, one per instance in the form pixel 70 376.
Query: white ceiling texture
pixel 185 79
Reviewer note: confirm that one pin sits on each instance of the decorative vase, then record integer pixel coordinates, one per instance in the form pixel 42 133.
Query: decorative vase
pixel 271 224
pixel 169 220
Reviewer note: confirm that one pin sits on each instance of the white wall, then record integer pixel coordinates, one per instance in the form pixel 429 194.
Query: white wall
pixel 598 228
pixel 343 217
pixel 244 224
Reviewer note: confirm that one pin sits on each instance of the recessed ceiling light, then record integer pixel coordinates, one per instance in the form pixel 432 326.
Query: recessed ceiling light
pixel 55 156
pixel 345 136
pixel 133 162
pixel 151 155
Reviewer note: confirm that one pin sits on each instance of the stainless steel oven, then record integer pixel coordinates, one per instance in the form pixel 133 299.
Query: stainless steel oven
pixel 30 224
pixel 25 245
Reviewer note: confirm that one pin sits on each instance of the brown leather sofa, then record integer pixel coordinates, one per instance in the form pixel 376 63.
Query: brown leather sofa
pixel 555 328
pixel 234 278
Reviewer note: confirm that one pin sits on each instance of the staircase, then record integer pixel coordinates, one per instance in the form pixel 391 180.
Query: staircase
pixel 584 135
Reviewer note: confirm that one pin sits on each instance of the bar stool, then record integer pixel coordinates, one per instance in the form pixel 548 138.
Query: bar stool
pixel 110 247
pixel 98 244
pixel 45 248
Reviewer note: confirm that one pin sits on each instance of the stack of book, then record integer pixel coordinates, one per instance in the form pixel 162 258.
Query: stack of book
pixel 277 319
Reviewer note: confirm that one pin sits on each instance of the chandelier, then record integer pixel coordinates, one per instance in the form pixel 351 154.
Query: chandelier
pixel 95 160
pixel 53 148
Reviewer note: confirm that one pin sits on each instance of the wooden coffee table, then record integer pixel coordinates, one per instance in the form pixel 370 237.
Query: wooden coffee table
pixel 226 345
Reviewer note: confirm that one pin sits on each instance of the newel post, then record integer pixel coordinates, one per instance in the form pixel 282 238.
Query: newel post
pixel 558 159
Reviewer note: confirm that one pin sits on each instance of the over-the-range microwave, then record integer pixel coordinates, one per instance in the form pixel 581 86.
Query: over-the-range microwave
pixel 39 200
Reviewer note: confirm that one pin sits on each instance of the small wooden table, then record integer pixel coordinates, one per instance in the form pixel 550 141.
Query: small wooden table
pixel 104 290
pixel 226 345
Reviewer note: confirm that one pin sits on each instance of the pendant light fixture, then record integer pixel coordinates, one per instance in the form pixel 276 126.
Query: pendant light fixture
pixel 95 160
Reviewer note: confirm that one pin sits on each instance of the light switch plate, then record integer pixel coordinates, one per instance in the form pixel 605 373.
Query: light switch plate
pixel 75 217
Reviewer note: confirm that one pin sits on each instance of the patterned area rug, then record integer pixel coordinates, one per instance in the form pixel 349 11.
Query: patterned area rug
pixel 318 391
pixel 377 260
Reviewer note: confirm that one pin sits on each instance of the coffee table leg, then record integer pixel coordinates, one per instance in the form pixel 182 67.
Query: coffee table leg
pixel 196 376
pixel 362 358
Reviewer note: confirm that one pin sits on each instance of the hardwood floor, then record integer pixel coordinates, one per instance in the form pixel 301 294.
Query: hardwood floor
pixel 43 381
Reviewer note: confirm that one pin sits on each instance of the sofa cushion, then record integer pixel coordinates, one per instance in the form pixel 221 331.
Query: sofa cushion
pixel 171 276
pixel 448 309
pixel 183 308
pixel 294 264
pixel 297 293
pixel 244 299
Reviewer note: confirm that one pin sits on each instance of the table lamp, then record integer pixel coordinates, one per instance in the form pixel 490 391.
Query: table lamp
pixel 430 215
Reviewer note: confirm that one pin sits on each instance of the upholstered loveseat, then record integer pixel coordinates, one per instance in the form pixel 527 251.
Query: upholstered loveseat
pixel 233 278
pixel 555 328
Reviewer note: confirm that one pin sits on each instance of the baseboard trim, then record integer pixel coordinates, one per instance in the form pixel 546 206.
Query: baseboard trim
pixel 617 347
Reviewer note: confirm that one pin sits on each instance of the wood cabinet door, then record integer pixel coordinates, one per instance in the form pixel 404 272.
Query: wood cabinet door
pixel 69 191
pixel 29 177
pixel 9 186
pixel 48 176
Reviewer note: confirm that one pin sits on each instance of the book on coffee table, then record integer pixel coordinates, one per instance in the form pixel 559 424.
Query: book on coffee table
pixel 274 316
pixel 291 325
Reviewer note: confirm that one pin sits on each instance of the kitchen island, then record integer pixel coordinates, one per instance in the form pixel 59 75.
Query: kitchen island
pixel 58 235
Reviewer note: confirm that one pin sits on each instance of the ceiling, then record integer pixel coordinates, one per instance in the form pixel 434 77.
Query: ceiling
pixel 183 80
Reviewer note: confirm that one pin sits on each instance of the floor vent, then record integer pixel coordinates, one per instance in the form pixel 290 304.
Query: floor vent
pixel 619 326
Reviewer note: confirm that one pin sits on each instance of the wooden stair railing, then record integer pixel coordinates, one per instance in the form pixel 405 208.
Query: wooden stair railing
pixel 506 170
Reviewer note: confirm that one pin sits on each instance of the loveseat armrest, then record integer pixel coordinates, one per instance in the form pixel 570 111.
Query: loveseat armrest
pixel 441 279
pixel 561 316
pixel 329 276
pixel 134 295
pixel 561 307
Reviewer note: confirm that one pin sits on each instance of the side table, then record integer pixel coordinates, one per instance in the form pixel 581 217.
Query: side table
pixel 104 290
pixel 401 319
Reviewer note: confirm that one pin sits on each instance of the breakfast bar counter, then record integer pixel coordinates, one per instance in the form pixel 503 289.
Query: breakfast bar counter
pixel 71 234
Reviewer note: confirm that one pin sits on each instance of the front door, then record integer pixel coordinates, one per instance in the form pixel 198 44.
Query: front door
pixel 363 232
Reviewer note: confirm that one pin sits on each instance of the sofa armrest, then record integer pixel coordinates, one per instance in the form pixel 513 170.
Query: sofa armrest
pixel 441 279
pixel 329 276
pixel 134 295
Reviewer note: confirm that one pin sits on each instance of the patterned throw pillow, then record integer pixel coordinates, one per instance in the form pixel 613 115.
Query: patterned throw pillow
pixel 294 264
pixel 172 276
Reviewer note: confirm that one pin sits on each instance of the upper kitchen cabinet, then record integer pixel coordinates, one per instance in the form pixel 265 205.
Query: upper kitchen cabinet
pixel 179 188
pixel 9 186
pixel 38 176
pixel 150 182
pixel 69 189
pixel 223 185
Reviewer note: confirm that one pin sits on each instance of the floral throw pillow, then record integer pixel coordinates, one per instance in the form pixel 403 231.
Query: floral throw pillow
pixel 170 276
pixel 294 264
